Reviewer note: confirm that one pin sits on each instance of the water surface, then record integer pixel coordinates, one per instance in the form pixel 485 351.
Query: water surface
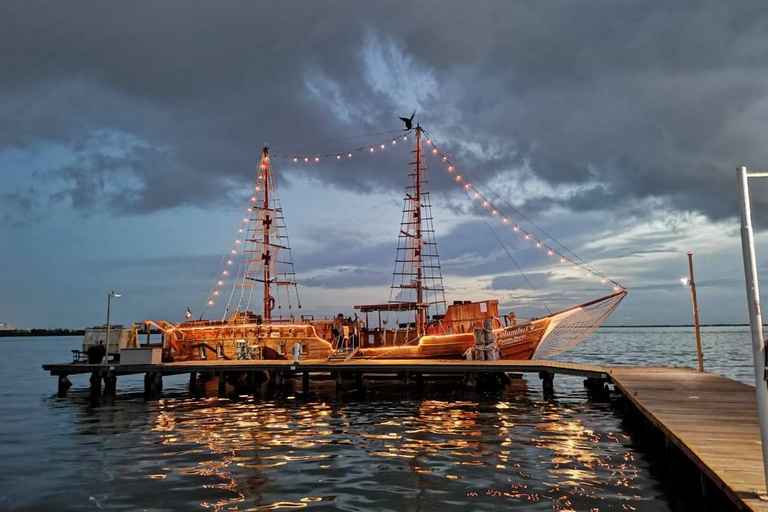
pixel 445 448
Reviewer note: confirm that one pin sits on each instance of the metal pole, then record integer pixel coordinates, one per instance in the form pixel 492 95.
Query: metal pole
pixel 695 311
pixel 106 343
pixel 755 316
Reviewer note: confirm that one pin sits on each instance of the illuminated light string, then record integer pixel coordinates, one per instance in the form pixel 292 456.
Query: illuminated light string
pixel 224 274
pixel 486 202
pixel 340 155
pixel 460 180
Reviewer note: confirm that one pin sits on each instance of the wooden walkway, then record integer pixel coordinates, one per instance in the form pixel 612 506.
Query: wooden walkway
pixel 710 418
pixel 371 366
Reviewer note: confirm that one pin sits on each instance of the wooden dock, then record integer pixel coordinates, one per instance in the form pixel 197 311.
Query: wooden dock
pixel 711 419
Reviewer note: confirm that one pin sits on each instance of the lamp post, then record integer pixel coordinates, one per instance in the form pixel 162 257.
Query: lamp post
pixel 753 303
pixel 109 310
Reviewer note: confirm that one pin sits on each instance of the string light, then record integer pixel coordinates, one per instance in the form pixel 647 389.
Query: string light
pixel 516 228
pixel 382 145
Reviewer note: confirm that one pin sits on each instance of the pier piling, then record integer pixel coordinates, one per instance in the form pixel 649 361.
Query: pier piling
pixel 547 383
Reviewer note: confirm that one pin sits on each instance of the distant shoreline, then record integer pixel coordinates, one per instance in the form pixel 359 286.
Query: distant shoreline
pixel 29 333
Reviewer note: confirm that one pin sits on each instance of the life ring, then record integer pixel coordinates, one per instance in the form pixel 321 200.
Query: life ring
pixel 271 303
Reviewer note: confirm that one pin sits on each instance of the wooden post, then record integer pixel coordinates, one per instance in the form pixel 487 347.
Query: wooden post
pixel 192 381
pixel 110 383
pixel 95 382
pixel 64 383
pixel 695 311
pixel 157 382
pixel 222 384
pixel 547 383
pixel 360 383
pixel 305 382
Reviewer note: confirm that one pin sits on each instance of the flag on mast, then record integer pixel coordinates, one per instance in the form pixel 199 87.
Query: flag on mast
pixel 188 314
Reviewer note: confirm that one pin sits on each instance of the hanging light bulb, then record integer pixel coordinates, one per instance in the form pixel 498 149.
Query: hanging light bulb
pixel 349 155
pixel 245 220
pixel 240 230
pixel 467 186
pixel 550 252
pixel 505 220
pixel 210 303
pixel 382 145
pixel 338 156
pixel 216 292
pixel 221 282
pixel 234 251
pixel 538 245
pixel 575 267
pixel 295 159
pixel 527 236
pixel 371 149
pixel 394 142
pixel 405 137
pixel 516 228
pixel 495 212
pixel 434 151
pixel 258 189
pixel 237 241
pixel 477 194
pixel 444 159
pixel 253 199
pixel 589 273
pixel 429 142
pixel 602 280
pixel 562 259
pixel 458 177
pixel 229 262
pixel 317 159
pixel 306 159
pixel 225 273
pixel 485 203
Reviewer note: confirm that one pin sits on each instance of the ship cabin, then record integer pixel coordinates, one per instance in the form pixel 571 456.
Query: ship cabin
pixel 460 317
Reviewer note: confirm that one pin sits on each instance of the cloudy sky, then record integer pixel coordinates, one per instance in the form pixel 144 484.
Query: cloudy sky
pixel 131 132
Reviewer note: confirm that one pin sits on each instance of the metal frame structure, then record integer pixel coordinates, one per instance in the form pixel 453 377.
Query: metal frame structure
pixel 753 302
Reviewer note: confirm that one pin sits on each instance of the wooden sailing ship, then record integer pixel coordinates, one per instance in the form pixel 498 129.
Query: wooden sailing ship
pixel 424 325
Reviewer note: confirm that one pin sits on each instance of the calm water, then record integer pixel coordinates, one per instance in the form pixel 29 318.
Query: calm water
pixel 443 449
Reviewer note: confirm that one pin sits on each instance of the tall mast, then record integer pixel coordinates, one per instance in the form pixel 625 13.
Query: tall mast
pixel 417 281
pixel 418 240
pixel 266 243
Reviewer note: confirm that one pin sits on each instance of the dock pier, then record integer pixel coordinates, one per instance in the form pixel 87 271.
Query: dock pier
pixel 711 421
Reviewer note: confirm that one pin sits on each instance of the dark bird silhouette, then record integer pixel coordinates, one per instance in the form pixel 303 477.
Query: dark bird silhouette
pixel 408 121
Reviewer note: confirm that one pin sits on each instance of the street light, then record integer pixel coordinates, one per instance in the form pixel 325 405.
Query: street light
pixel 109 308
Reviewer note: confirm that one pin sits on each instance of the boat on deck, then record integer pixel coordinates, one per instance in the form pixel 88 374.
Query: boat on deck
pixel 424 325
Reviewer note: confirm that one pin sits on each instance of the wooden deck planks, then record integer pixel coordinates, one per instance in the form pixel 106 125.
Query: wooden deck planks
pixel 320 365
pixel 711 418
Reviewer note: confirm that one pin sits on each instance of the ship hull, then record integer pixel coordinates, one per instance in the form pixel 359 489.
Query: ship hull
pixel 514 342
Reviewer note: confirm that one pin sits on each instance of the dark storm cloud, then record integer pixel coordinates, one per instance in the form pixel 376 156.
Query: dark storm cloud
pixel 653 99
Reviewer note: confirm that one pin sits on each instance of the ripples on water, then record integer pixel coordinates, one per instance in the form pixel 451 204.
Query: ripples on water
pixel 446 448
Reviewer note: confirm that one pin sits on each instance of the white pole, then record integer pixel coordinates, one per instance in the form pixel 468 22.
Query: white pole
pixel 106 343
pixel 755 316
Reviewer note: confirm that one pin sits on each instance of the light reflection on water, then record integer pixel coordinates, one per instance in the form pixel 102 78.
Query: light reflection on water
pixel 444 449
